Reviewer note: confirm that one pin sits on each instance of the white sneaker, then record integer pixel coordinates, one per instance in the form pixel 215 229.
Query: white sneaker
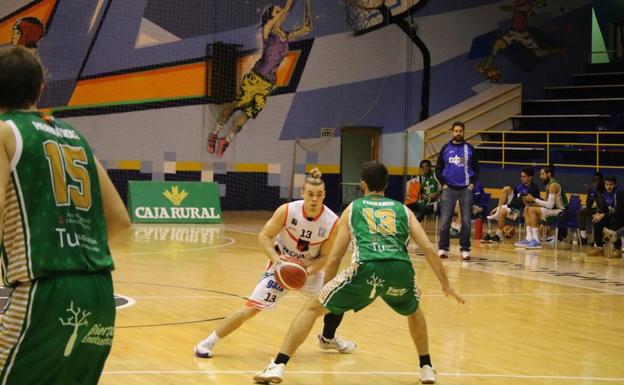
pixel 203 349
pixel 342 346
pixel 272 374
pixel 427 375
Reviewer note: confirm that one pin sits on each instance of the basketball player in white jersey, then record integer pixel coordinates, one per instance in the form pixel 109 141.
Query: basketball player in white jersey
pixel 302 229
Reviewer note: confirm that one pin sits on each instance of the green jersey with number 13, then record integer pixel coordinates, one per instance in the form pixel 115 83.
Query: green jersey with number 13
pixel 379 229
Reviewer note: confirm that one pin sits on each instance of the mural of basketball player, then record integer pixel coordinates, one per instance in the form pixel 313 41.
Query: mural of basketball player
pixel 28 32
pixel 517 34
pixel 260 81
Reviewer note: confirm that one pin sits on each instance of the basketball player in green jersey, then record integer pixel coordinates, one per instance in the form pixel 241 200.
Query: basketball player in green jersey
pixel 58 209
pixel 381 228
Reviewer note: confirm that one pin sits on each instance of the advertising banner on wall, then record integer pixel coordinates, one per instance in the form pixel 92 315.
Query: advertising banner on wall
pixel 174 202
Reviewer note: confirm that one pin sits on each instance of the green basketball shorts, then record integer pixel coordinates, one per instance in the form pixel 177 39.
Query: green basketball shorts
pixel 357 287
pixel 57 330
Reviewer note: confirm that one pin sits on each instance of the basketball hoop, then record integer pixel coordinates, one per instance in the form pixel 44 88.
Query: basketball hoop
pixel 362 14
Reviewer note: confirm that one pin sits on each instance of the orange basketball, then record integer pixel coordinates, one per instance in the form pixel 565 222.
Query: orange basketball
pixel 291 273
pixel 509 231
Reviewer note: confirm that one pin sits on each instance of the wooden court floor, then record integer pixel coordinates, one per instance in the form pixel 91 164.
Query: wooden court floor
pixel 532 317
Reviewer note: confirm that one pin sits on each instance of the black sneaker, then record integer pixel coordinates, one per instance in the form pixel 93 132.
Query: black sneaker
pixel 584 241
pixel 495 239
pixel 487 238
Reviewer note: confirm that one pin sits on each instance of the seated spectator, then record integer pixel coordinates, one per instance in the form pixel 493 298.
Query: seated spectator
pixel 478 206
pixel 510 204
pixel 591 203
pixel 613 236
pixel 428 192
pixel 610 213
pixel 537 210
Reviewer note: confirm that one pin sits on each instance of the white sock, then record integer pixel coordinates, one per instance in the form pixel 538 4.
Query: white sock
pixel 535 233
pixel 583 234
pixel 212 338
pixel 499 232
pixel 230 137
pixel 529 233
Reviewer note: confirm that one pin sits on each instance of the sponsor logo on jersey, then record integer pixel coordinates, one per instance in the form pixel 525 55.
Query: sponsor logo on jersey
pixel 292 253
pixel 303 245
pixel 456 160
pixel 293 222
pixel 321 232
pixel 396 292
pixel 274 285
pixel 175 196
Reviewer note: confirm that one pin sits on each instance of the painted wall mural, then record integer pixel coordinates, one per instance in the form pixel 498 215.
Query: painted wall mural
pixel 140 78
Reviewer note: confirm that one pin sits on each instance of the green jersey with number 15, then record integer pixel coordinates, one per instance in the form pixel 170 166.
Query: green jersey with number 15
pixel 379 228
pixel 53 220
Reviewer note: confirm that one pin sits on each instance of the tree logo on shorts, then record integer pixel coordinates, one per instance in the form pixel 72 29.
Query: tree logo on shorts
pixel 76 320
pixel 376 282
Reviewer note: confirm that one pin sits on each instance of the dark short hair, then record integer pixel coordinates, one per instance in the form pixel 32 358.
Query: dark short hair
pixel 549 169
pixel 21 78
pixel 375 175
pixel 528 171
pixel 267 15
pixel 611 178
pixel 460 124
pixel 425 161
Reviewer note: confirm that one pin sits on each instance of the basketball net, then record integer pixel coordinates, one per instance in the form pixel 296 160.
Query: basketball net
pixel 363 13
pixel 314 145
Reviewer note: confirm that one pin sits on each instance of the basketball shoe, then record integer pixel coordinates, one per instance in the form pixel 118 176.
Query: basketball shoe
pixel 342 346
pixel 212 142
pixel 427 375
pixel 203 349
pixel 223 145
pixel 273 373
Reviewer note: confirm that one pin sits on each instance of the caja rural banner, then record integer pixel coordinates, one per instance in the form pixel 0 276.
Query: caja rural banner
pixel 174 202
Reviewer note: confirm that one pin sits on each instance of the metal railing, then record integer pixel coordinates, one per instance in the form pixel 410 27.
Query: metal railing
pixel 550 145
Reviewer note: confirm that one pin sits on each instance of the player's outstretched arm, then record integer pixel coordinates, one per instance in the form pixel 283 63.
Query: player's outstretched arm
pixel 270 231
pixel 115 213
pixel 307 24
pixel 340 245
pixel 420 237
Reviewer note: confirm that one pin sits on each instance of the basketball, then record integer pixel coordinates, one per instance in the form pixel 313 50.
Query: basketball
pixel 509 231
pixel 291 273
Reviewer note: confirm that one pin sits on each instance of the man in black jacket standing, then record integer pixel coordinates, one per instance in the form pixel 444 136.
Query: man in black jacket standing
pixel 457 169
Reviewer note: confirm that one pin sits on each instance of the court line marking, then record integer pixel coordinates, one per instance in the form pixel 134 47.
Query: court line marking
pixel 131 301
pixel 370 373
pixel 230 242
pixel 423 295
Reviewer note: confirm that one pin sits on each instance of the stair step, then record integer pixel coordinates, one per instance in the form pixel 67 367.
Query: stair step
pixel 561 122
pixel 572 106
pixel 598 78
pixel 586 91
